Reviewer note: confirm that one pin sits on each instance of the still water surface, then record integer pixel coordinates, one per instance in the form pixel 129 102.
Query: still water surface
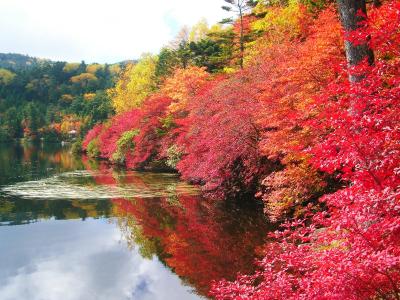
pixel 72 228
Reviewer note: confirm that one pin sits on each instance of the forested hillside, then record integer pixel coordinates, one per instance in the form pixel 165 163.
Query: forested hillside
pixel 295 103
pixel 14 61
pixel 52 100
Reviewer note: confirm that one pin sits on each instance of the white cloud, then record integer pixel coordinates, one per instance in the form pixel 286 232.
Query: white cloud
pixel 97 30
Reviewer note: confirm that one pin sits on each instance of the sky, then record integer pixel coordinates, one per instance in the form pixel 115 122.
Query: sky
pixel 103 31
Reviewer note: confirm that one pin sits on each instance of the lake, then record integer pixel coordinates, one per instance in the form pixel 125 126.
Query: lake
pixel 74 228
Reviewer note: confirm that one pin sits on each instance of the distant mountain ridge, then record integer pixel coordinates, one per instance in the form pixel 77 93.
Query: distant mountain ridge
pixel 16 61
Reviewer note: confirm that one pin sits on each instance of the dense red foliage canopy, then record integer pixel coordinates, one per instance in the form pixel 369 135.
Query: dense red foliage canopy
pixel 351 250
pixel 291 129
pixel 92 134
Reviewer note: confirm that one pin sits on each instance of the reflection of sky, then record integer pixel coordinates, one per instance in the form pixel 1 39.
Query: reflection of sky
pixel 79 260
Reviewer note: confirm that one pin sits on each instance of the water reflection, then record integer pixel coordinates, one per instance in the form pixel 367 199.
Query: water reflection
pixel 145 235
pixel 198 240
pixel 22 211
pixel 79 260
pixel 33 161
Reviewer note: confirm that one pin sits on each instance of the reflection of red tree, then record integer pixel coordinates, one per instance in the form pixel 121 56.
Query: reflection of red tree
pixel 28 153
pixel 102 173
pixel 201 241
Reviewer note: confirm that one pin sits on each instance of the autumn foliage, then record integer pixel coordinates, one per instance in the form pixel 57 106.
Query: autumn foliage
pixel 321 152
pixel 350 250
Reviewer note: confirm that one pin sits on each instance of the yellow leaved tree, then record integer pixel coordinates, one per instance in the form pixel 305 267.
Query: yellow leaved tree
pixel 135 84
pixel 6 76
pixel 199 31
pixel 70 67
pixel 93 68
pixel 184 84
pixel 84 79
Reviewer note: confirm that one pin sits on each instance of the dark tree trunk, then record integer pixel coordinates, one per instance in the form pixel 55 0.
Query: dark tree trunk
pixel 377 3
pixel 350 18
pixel 241 39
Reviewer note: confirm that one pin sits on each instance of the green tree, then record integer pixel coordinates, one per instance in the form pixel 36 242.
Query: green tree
pixel 239 8
pixel 12 121
pixel 168 60
pixel 207 53
pixel 32 116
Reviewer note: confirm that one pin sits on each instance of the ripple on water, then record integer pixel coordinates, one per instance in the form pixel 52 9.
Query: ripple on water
pixel 87 185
